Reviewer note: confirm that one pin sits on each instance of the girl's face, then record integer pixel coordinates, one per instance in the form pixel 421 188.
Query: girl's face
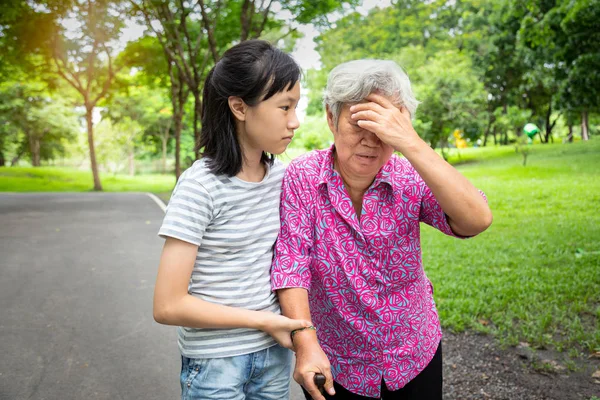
pixel 271 123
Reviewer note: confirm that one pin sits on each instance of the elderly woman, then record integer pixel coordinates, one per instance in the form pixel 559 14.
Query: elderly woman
pixel 348 256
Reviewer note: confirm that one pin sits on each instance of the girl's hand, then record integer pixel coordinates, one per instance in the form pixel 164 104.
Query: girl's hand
pixel 388 121
pixel 280 328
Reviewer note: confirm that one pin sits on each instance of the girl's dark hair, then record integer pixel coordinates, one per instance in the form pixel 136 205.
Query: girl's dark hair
pixel 253 70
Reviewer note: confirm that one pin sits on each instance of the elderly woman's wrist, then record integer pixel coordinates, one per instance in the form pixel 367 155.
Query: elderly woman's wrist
pixel 305 338
pixel 410 147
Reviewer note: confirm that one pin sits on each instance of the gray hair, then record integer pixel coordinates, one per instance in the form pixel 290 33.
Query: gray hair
pixel 352 81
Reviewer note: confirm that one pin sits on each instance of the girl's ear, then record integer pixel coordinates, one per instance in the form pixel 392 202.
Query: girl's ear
pixel 238 107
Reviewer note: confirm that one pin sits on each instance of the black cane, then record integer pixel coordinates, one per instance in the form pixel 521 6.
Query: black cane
pixel 319 380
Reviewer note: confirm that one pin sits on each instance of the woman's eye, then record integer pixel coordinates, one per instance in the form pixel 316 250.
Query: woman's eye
pixel 285 108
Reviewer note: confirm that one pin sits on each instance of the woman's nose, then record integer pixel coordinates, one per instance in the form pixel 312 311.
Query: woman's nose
pixel 370 139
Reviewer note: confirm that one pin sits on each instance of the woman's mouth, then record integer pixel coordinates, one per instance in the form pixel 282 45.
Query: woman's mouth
pixel 366 157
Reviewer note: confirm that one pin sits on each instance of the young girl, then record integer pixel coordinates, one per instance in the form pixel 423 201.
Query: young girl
pixel 220 227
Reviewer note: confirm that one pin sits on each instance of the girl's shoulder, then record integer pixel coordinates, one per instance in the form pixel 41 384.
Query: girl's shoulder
pixel 275 172
pixel 199 173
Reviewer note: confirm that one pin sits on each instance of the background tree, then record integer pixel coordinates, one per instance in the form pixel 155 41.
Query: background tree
pixel 81 56
pixel 37 125
pixel 157 70
pixel 564 37
pixel 195 34
pixel 580 90
pixel 139 115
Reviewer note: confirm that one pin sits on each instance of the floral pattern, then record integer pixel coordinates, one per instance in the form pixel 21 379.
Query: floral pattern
pixel 368 293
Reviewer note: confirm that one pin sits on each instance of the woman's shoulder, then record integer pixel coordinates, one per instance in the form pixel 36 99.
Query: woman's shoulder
pixel 311 162
pixel 402 170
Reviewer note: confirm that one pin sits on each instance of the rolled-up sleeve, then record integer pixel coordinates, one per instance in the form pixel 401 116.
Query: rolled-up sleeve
pixel 292 256
pixel 432 214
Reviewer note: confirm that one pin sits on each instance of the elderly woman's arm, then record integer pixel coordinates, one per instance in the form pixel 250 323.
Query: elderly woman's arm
pixel 291 277
pixel 468 212
pixel 310 358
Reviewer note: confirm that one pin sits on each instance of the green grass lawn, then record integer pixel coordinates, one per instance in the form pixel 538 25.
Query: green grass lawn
pixel 52 179
pixel 534 276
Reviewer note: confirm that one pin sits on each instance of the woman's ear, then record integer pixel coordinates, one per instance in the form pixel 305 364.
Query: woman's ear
pixel 238 107
pixel 330 121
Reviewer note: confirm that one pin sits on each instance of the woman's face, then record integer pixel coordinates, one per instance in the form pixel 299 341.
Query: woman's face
pixel 359 153
pixel 271 123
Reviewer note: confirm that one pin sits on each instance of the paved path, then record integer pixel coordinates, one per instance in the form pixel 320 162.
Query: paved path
pixel 77 273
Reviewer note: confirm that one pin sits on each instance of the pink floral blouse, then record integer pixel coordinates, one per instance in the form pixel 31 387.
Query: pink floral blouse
pixel 369 296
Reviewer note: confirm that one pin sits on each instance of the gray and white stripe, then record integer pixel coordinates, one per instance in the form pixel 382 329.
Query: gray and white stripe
pixel 234 224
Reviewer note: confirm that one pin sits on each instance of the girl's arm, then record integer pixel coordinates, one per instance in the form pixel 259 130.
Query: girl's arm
pixel 173 305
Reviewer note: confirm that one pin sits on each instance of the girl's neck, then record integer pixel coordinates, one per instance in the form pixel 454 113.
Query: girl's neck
pixel 253 169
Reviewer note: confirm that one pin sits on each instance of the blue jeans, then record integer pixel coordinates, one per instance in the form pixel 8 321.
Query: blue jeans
pixel 264 375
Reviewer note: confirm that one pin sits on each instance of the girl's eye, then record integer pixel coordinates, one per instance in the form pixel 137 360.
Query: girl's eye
pixel 285 108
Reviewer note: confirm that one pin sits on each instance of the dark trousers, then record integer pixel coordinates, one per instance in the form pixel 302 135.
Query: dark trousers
pixel 425 386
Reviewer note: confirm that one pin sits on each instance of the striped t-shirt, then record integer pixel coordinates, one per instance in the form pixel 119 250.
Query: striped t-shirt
pixel 235 224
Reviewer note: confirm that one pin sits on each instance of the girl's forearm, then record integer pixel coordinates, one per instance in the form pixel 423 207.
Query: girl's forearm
pixel 193 312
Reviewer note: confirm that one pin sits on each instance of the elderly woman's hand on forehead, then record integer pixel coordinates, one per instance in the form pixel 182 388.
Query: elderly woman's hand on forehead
pixel 389 122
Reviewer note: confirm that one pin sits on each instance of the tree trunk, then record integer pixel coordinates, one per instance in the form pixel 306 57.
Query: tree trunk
pixel 2 157
pixel 16 159
pixel 494 135
pixel 165 141
pixel 487 130
pixel 178 126
pixel 131 157
pixel 570 137
pixel 90 131
pixel 585 127
pixel 549 125
pixel 164 155
pixel 178 97
pixel 34 149
pixel 197 112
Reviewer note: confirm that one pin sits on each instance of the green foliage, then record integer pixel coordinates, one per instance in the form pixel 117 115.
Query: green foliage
pixel 451 97
pixel 480 66
pixel 147 56
pixel 535 56
pixel 33 123
pixel 148 107
pixel 564 38
pixel 512 119
pixel 316 79
pixel 313 134
pixel 524 274
pixel 385 31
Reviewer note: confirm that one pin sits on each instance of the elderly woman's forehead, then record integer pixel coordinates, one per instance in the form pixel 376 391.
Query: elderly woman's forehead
pixel 393 99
